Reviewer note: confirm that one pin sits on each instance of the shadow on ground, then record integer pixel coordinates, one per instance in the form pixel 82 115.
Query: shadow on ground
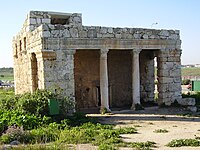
pixel 149 114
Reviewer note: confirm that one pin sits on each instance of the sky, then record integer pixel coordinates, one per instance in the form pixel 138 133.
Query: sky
pixel 183 15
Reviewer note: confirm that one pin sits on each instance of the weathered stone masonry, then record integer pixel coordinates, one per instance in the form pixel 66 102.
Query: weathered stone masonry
pixel 97 66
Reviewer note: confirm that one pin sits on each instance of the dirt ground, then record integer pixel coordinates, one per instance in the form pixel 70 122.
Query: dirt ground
pixel 154 118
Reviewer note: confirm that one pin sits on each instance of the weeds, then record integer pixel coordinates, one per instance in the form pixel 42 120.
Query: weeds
pixel 184 142
pixel 161 131
pixel 24 119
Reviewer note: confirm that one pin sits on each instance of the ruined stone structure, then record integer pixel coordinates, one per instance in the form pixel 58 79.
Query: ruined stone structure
pixel 97 66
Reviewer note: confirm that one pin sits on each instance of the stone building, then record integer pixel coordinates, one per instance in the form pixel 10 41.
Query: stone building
pixel 99 67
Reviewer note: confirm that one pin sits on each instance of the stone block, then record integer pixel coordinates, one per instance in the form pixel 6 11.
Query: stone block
pixel 32 21
pixel 92 34
pixel 163 87
pixel 167 101
pixel 110 30
pixel 137 36
pixel 174 59
pixel 118 36
pixel 46 20
pixel 77 20
pixel 187 101
pixel 164 33
pixel 145 36
pixel 192 108
pixel 66 33
pixel 107 35
pixel 175 73
pixel 174 87
pixel 173 37
pixel 177 32
pixel 73 32
pixel 46 34
pixel 83 34
pixel 165 80
pixel 163 73
pixel 103 30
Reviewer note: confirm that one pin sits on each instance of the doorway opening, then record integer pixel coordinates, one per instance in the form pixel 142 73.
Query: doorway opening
pixel 87 79
pixel 148 74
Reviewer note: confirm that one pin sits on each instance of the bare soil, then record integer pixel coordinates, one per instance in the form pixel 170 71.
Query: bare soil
pixel 154 118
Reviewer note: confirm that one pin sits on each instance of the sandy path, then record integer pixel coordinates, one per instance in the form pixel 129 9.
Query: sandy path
pixel 152 119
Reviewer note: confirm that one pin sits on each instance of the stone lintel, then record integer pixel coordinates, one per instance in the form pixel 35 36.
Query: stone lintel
pixel 85 43
pixel 46 54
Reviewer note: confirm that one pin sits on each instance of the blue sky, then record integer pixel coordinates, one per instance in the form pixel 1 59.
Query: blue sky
pixel 183 15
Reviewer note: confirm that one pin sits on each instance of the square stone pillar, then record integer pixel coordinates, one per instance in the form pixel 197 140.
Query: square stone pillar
pixel 104 81
pixel 169 76
pixel 135 79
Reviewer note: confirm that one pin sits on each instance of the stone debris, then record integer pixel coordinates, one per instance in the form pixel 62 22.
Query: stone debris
pixel 187 101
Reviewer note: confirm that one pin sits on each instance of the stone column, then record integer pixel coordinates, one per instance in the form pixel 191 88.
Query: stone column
pixel 135 79
pixel 104 81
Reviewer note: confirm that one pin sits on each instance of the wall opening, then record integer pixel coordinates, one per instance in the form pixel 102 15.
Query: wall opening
pixel 34 72
pixel 16 52
pixel 24 43
pixel 147 77
pixel 20 45
pixel 60 19
pixel 120 78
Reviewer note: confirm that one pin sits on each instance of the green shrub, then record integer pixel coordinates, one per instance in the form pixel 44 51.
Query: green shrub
pixel 107 147
pixel 46 134
pixel 7 98
pixel 36 103
pixel 66 105
pixel 14 133
pixel 143 145
pixel 184 142
pixel 28 121
pixel 161 131
pixel 129 130
pixel 185 82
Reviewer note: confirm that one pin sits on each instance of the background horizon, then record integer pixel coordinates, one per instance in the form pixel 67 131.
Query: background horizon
pixel 180 15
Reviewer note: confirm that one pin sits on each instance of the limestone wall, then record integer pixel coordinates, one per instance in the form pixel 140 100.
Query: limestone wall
pixel 59 72
pixel 69 31
pixel 44 34
pixel 169 76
